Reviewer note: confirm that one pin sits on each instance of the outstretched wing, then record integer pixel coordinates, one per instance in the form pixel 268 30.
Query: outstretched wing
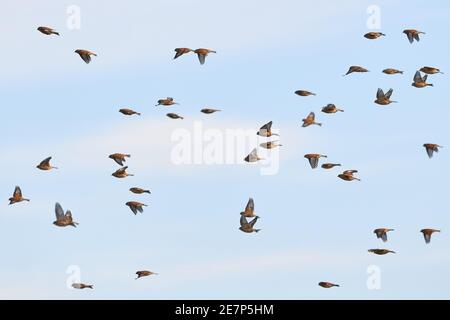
pixel 250 208
pixel 380 94
pixel 410 37
pixel 418 77
pixel 68 215
pixel 252 223
pixel 313 162
pixel 243 222
pixel 430 151
pixel 59 212
pixel 17 192
pixel 389 93
pixel 201 58
pixel 86 57
pixel 45 162
pixel 427 237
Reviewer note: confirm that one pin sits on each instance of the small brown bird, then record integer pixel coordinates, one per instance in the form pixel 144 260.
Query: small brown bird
pixel 309 120
pixel 144 273
pixel 327 285
pixel 166 102
pixel 304 93
pixel 45 164
pixel 202 53
pixel 63 220
pixel 136 206
pixel 174 116
pixel 431 148
pixel 249 211
pixel 85 54
pixel 253 156
pixel 373 35
pixel 427 234
pixel 82 286
pixel 420 82
pixel 384 98
pixel 331 108
pixel 248 227
pixel 380 252
pixel 47 31
pixel 413 35
pixel 348 175
pixel 313 159
pixel 121 173
pixel 266 130
pixel 181 51
pixel 430 70
pixel 119 158
pixel 17 196
pixel 382 233
pixel 330 165
pixel 356 69
pixel 392 71
pixel 209 111
pixel 270 145
pixel 139 190
pixel 128 112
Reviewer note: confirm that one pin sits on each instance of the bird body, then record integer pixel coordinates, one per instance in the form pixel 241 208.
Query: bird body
pixel 17 196
pixel 249 211
pixel 181 51
pixel 270 144
pixel 139 190
pixel 174 116
pixel 413 34
pixel 266 130
pixel 82 286
pixel 209 110
pixel 248 227
pixel 348 175
pixel 427 234
pixel 431 148
pixel 419 81
pixel 47 31
pixel 381 233
pixel 331 108
pixel 327 285
pixel 202 53
pixel 392 71
pixel 373 35
pixel 309 120
pixel 121 173
pixel 313 159
pixel 128 112
pixel 119 158
pixel 63 220
pixel 384 99
pixel 358 69
pixel 304 93
pixel 330 165
pixel 253 156
pixel 166 102
pixel 136 206
pixel 85 54
pixel 380 252
pixel 144 273
pixel 430 70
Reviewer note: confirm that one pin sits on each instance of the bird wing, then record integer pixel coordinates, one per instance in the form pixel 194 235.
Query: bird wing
pixel 250 208
pixel 68 215
pixel 119 161
pixel 416 36
pixel 243 222
pixel 350 172
pixel 122 170
pixel 410 37
pixel 45 162
pixel 384 236
pixel 252 223
pixel 311 116
pixel 201 58
pixel 429 151
pixel 313 162
pixel 59 212
pixel 380 94
pixel 85 56
pixel 389 93
pixel 418 77
pixel 133 208
pixel 427 237
pixel 179 52
pixel 17 192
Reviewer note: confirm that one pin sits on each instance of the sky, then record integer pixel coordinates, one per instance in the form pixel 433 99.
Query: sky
pixel 315 227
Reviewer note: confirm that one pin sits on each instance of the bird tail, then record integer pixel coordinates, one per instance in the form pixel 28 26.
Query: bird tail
pixel 357 179
pixel 54 167
pixel 128 155
pixel 90 286
pixel 57 33
pixel 257 230
pixel 340 110
pixel 26 200
pixel 138 113
pixel 147 191
pixel 319 124
pixel 131 175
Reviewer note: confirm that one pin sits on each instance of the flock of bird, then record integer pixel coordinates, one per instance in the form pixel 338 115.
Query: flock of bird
pixel 64 219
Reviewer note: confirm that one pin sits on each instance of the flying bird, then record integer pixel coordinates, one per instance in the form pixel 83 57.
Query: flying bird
pixel 136 206
pixel 249 211
pixel 121 173
pixel 413 34
pixel 17 196
pixel 174 116
pixel 427 234
pixel 166 102
pixel 47 31
pixel 313 159
pixel 128 112
pixel 253 156
pixel 202 54
pixel 331 108
pixel 209 111
pixel 304 93
pixel 355 69
pixel 392 71
pixel 63 220
pixel 420 82
pixel 85 54
pixel 373 35
pixel 82 286
pixel 381 233
pixel 384 98
pixel 266 130
pixel 330 165
pixel 119 158
pixel 248 227
pixel 431 148
pixel 270 144
pixel 309 120
pixel 380 252
pixel 144 273
pixel 430 70
pixel 45 164
pixel 327 285
pixel 181 51
pixel 348 175
pixel 139 190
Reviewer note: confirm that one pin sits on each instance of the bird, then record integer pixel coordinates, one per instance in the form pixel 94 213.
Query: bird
pixel 427 234
pixel 248 227
pixel 85 54
pixel 144 273
pixel 121 173
pixel 63 220
pixel 270 144
pixel 304 93
pixel 331 108
pixel 384 98
pixel 373 35
pixel 119 158
pixel 356 69
pixel 136 206
pixel 82 286
pixel 128 112
pixel 431 148
pixel 181 51
pixel 413 34
pixel 419 81
pixel 347 175
pixel 17 196
pixel 327 285
pixel 309 120
pixel 313 159
pixel 139 190
pixel 209 111
pixel 45 164
pixel 330 165
pixel 249 211
pixel 392 71
pixel 202 54
pixel 174 116
pixel 166 102
pixel 47 31
pixel 380 252
pixel 430 70
pixel 253 156
pixel 266 130
pixel 382 233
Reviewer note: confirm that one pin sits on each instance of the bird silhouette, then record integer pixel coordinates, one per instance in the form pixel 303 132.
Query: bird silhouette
pixel 380 252
pixel 427 234
pixel 82 286
pixel 17 196
pixel 419 81
pixel 253 156
pixel 313 159
pixel 139 190
pixel 384 98
pixel 304 93
pixel 348 175
pixel 330 165
pixel 209 111
pixel 413 34
pixel 63 220
pixel 331 108
pixel 431 148
pixel 121 173
pixel 327 285
pixel 392 71
pixel 248 227
pixel 202 54
pixel 430 70
pixel 136 206
pixel 358 69
pixel 381 233
pixel 144 273
pixel 309 120
pixel 119 158
pixel 45 164
pixel 174 116
pixel 47 31
pixel 181 51
pixel 85 54
pixel 373 35
pixel 128 112
pixel 249 211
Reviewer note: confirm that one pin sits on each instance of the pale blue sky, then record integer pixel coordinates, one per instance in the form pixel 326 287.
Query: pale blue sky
pixel 315 227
